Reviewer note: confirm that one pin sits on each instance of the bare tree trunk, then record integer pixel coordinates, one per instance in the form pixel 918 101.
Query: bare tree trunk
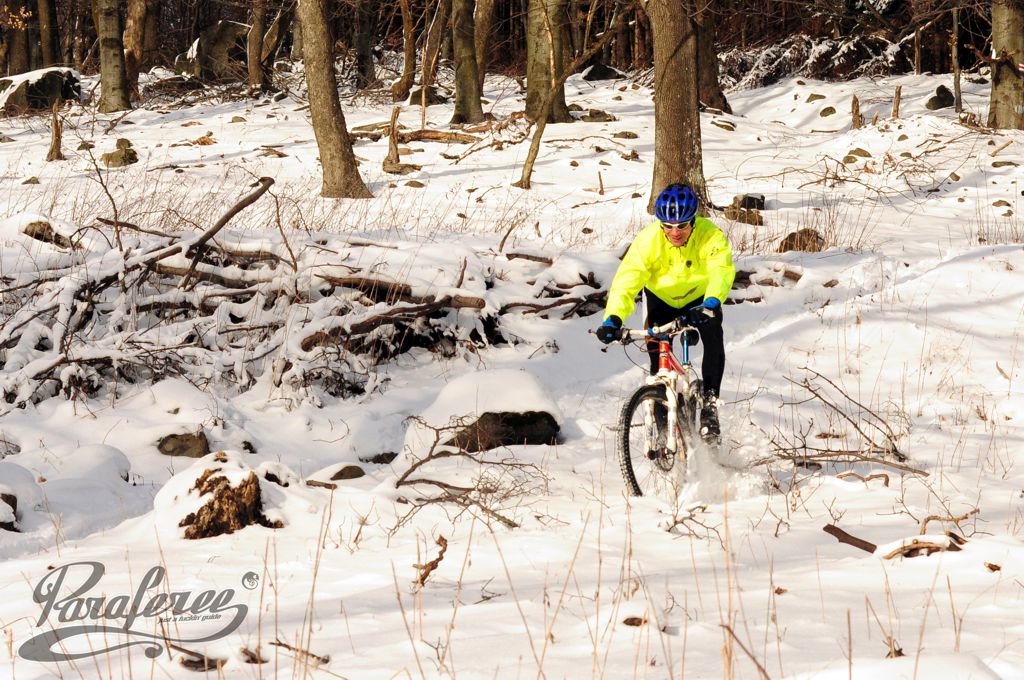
pixel 19 59
pixel 138 20
pixel 341 173
pixel 366 75
pixel 538 133
pixel 48 36
pixel 151 36
pixel 113 79
pixel 641 53
pixel 467 80
pixel 545 44
pixel 917 52
pixel 401 87
pixel 432 45
pixel 484 19
pixel 1006 106
pixel 707 59
pixel 258 79
pixel 958 101
pixel 678 156
pixel 275 35
pixel 297 41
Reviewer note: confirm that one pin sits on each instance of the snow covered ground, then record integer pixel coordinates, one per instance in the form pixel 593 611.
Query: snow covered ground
pixel 909 322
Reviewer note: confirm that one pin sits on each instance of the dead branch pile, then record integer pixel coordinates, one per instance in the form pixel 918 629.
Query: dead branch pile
pixel 489 484
pixel 847 431
pixel 299 315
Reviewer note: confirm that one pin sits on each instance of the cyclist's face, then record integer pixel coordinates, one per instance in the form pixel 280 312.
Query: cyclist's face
pixel 677 233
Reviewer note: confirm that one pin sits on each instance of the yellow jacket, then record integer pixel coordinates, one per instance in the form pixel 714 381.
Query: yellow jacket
pixel 701 268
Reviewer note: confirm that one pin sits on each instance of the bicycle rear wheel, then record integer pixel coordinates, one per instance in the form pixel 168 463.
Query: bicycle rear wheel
pixel 645 458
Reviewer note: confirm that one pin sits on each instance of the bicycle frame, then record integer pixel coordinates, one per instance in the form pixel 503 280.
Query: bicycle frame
pixel 678 377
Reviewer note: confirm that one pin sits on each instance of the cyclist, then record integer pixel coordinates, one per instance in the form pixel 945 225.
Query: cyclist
pixel 683 264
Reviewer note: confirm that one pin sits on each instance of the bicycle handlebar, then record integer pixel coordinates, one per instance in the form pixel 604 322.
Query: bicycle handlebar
pixel 672 328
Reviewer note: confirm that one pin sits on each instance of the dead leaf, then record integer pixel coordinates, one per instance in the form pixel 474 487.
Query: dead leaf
pixel 634 621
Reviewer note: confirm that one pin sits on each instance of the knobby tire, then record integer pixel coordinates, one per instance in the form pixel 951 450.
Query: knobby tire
pixel 641 472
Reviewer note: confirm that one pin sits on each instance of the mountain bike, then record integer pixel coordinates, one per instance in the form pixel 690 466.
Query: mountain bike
pixel 658 426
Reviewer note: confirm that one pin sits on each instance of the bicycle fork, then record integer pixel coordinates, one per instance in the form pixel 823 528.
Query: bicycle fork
pixel 670 428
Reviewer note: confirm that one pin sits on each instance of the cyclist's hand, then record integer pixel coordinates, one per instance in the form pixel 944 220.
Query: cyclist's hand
pixel 610 330
pixel 705 311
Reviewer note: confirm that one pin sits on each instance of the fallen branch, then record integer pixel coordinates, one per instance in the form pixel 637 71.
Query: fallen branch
pixel 995 151
pixel 436 136
pixel 942 518
pixel 263 184
pixel 325 659
pixel 526 256
pixel 918 547
pixel 848 473
pixel 198 662
pixel 849 539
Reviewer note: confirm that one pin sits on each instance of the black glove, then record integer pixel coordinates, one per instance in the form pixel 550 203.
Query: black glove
pixel 610 330
pixel 704 312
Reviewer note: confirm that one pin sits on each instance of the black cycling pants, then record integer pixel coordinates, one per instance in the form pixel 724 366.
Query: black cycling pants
pixel 712 368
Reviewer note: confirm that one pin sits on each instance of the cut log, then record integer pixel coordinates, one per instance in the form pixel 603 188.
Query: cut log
pixel 848 539
pixel 436 136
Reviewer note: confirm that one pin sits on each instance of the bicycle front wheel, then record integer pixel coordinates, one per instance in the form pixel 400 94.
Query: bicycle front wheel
pixel 645 456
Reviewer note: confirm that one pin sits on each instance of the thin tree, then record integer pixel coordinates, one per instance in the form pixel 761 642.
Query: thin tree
pixel 113 78
pixel 275 35
pixel 707 58
pixel 138 46
pixel 340 171
pixel 542 119
pixel 546 38
pixel 49 40
pixel 483 17
pixel 1006 105
pixel 467 80
pixel 432 49
pixel 363 35
pixel 400 88
pixel 678 155
pixel 258 76
pixel 16 17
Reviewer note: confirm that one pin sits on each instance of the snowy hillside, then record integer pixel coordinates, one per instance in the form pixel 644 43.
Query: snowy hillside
pixel 898 345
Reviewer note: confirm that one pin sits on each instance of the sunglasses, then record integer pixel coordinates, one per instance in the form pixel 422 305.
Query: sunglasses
pixel 676 225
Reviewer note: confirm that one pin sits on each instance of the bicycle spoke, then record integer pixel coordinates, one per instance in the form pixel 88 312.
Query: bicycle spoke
pixel 646 454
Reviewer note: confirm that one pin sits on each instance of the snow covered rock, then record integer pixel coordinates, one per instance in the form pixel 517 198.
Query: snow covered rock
pixel 218 53
pixel 96 462
pixel 220 494
pixel 31 229
pixel 37 90
pixel 942 99
pixel 805 240
pixel 485 410
pixel 187 445
pixel 18 489
pixel 123 155
pixel 601 71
